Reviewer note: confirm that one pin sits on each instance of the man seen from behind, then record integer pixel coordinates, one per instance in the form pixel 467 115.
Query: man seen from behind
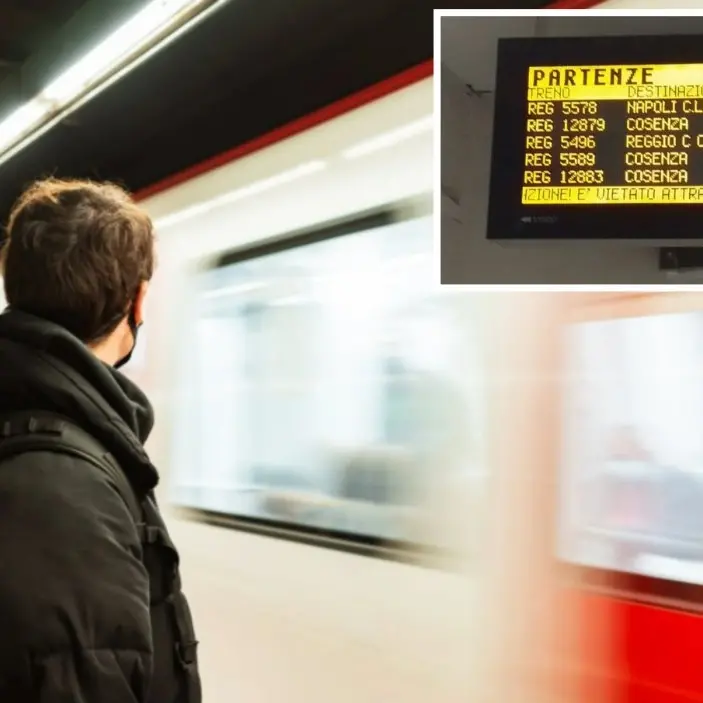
pixel 91 607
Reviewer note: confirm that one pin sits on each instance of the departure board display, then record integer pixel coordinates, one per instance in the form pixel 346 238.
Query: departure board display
pixel 592 140
pixel 614 134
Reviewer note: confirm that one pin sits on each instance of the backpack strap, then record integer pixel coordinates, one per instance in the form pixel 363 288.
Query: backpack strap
pixel 44 431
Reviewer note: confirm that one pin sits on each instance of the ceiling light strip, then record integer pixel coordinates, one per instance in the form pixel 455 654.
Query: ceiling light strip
pixel 152 28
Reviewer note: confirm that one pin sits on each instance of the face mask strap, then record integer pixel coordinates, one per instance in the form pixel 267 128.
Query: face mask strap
pixel 134 328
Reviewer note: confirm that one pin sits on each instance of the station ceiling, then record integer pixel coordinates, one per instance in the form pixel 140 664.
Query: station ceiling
pixel 249 67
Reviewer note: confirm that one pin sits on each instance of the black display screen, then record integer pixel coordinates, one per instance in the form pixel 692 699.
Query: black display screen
pixel 598 138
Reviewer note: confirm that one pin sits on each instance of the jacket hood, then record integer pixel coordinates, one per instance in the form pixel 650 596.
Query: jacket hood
pixel 44 367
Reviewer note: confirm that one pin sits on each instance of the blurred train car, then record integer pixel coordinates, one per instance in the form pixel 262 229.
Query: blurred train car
pixel 524 469
pixel 607 395
pixel 630 467
pixel 321 397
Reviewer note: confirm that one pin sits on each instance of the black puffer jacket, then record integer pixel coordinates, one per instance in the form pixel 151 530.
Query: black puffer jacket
pixel 90 610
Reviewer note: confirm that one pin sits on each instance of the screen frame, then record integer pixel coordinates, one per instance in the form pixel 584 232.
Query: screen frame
pixel 650 223
pixel 624 585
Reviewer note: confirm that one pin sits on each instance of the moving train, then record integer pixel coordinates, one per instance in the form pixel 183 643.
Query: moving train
pixel 386 489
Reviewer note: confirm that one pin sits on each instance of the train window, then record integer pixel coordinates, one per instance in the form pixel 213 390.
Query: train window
pixel 633 446
pixel 330 386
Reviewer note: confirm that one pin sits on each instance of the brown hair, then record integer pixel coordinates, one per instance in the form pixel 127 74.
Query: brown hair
pixel 76 253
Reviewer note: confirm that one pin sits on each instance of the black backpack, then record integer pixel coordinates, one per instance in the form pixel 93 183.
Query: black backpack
pixel 40 430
